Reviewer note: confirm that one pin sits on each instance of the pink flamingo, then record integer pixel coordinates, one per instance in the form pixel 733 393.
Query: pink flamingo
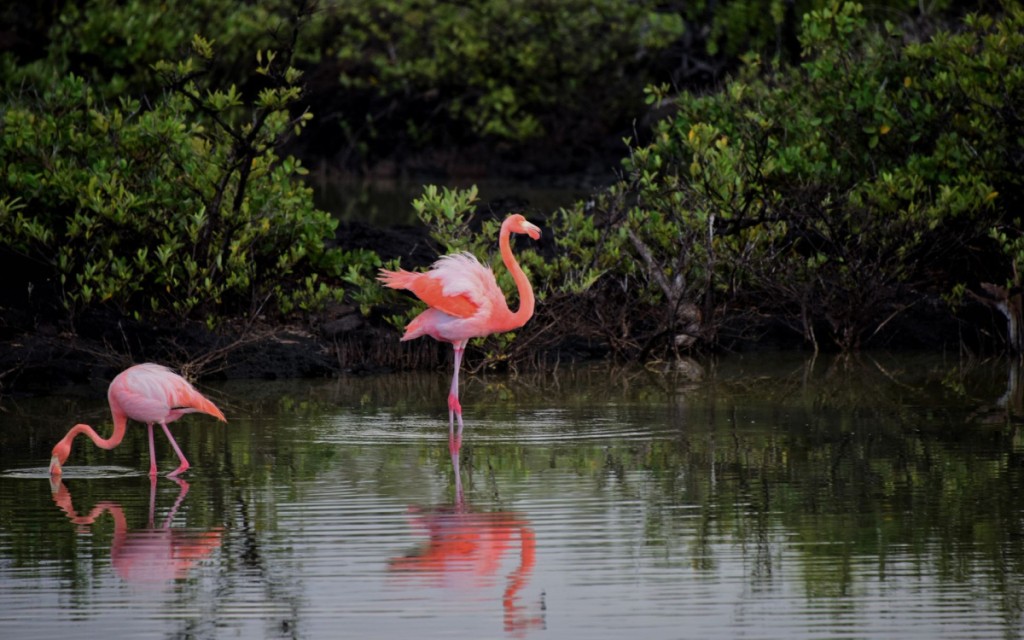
pixel 468 549
pixel 148 393
pixel 153 555
pixel 465 302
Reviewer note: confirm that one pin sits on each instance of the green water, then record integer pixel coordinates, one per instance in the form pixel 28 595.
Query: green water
pixel 775 497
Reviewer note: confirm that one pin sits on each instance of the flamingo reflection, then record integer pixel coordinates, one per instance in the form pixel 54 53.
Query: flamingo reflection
pixel 465 549
pixel 150 556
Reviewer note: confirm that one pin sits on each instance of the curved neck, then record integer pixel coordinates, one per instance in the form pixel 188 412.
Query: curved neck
pixel 120 423
pixel 62 498
pixel 526 301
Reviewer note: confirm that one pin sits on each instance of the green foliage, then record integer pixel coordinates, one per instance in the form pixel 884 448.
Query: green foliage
pixel 732 29
pixel 835 194
pixel 970 82
pixel 404 71
pixel 447 214
pixel 405 74
pixel 181 209
pixel 493 69
pixel 113 45
pixel 359 272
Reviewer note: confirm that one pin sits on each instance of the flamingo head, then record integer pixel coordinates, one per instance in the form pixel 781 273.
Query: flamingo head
pixel 517 223
pixel 60 454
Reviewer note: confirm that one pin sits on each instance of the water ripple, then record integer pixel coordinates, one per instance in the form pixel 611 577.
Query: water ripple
pixel 541 428
pixel 75 472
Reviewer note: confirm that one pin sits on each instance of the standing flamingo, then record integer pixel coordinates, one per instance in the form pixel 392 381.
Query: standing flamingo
pixel 465 302
pixel 467 549
pixel 148 393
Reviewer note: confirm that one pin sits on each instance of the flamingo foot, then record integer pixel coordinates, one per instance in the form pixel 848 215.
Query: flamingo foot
pixel 454 414
pixel 180 470
pixel 181 456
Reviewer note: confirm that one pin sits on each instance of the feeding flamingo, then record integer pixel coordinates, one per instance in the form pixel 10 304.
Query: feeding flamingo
pixel 465 302
pixel 148 393
pixel 151 555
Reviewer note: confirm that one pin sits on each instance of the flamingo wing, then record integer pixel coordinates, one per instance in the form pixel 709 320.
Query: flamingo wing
pixel 153 393
pixel 139 405
pixel 431 289
pixel 457 285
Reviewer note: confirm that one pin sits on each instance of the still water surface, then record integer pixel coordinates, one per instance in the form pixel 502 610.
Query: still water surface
pixel 774 498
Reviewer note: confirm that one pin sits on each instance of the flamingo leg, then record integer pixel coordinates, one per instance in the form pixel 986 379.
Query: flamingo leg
pixel 184 463
pixel 460 502
pixel 152 500
pixel 454 408
pixel 152 452
pixel 182 492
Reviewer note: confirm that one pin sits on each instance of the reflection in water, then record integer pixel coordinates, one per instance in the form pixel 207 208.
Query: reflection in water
pixel 153 555
pixel 465 551
pixel 775 499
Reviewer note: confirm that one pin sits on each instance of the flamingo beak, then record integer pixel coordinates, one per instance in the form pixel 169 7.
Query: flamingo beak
pixel 532 230
pixel 55 469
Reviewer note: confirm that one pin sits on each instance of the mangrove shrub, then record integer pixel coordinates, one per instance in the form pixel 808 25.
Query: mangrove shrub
pixel 179 209
pixel 834 196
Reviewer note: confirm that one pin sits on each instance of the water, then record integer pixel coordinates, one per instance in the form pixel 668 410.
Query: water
pixel 774 498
